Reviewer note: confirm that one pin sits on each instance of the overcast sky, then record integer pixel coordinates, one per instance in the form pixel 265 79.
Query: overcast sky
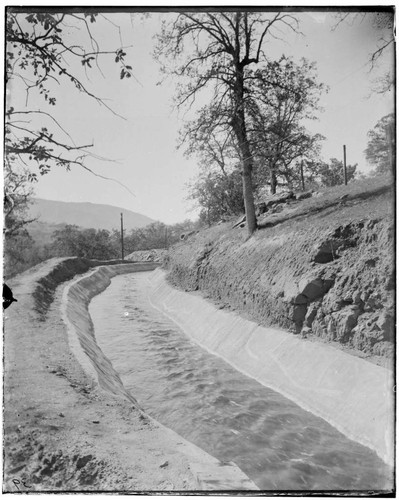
pixel 144 142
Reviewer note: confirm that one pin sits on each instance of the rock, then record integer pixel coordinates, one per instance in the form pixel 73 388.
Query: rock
pixel 348 298
pixel 260 208
pixel 306 331
pixel 373 302
pixel 345 321
pixel 319 326
pixel 277 198
pixel 384 349
pixel 303 195
pixel 331 330
pixel 299 316
pixel 356 297
pixel 387 326
pixel 300 299
pixel 326 252
pixel 310 287
pixel 364 296
pixel 314 288
pixel 276 209
pixel 310 315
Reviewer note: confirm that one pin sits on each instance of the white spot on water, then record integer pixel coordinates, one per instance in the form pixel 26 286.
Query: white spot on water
pixel 126 314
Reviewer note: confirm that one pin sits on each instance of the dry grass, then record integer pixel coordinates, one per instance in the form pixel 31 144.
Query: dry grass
pixel 368 198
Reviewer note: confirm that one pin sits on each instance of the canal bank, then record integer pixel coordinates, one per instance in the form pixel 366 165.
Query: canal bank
pixel 352 394
pixel 65 432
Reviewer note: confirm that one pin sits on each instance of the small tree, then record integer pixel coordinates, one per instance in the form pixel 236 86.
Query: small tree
pixel 219 195
pixel 87 243
pixel 333 174
pixel 18 189
pixel 380 151
pixel 282 95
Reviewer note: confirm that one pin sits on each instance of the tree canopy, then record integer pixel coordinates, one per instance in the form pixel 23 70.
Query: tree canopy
pixel 283 95
pixel 216 51
pixel 380 151
pixel 43 57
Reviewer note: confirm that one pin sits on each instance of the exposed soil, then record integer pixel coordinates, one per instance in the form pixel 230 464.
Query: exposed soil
pixel 322 267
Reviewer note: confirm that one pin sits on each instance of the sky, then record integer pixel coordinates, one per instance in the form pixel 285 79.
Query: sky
pixel 141 146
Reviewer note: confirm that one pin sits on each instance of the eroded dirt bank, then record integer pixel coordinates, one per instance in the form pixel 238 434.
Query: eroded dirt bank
pixel 63 432
pixel 324 269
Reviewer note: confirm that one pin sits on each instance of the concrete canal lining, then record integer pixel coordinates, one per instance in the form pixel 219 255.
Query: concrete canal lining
pixel 210 473
pixel 352 394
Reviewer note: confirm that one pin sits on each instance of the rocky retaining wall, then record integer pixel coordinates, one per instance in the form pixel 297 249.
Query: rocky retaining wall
pixel 350 393
pixel 315 277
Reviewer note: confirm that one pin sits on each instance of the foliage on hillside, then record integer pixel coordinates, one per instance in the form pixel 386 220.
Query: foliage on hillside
pixel 41 242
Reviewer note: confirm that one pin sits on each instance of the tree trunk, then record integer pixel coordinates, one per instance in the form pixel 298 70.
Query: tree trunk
pixel 273 182
pixel 245 152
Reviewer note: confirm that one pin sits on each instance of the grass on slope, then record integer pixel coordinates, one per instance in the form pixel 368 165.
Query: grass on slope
pixel 371 198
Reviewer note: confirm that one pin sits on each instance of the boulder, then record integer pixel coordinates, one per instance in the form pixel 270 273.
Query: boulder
pixel 386 324
pixel 344 321
pixel 303 195
pixel 310 315
pixel 260 208
pixel 357 297
pixel 277 198
pixel 307 289
pixel 327 251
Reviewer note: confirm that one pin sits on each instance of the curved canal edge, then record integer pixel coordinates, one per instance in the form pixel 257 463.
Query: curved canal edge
pixel 210 473
pixel 352 394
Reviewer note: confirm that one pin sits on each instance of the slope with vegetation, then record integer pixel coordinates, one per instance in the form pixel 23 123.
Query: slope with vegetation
pixel 322 267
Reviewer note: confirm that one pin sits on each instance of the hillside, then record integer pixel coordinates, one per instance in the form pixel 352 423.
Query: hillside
pixel 323 267
pixel 86 215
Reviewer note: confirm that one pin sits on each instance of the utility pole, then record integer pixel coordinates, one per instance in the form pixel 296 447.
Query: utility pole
pixel 390 131
pixel 345 172
pixel 302 177
pixel 123 250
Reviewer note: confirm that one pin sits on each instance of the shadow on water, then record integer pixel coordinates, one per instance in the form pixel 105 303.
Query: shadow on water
pixel 234 418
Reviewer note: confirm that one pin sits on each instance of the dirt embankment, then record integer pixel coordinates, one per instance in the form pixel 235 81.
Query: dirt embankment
pixel 322 268
pixel 66 431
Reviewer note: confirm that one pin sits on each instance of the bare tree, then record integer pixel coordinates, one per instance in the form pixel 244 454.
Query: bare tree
pixel 382 20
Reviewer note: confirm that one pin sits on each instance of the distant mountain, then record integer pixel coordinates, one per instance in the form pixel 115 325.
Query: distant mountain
pixel 86 215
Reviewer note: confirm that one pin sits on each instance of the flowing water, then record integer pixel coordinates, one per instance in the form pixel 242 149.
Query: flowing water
pixel 276 443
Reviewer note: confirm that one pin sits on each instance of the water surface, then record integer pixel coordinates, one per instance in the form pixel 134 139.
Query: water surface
pixel 276 443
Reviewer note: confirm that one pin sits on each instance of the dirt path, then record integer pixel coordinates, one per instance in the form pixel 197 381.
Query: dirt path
pixel 63 433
